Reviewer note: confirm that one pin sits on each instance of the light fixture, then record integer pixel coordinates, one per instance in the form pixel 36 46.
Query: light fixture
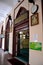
pixel 18 0
pixel 20 32
pixel 32 1
pixel 35 7
pixel 9 17
pixel 10 20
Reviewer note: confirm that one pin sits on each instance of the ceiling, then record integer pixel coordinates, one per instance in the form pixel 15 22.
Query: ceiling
pixel 5 8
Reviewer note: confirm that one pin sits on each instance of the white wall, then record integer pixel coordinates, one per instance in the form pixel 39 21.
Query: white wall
pixel 10 42
pixel 3 43
pixel 36 57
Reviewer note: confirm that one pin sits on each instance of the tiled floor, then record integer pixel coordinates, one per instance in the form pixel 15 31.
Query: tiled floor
pixel 3 58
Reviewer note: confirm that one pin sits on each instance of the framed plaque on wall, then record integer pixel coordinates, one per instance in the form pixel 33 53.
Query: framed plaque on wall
pixel 35 19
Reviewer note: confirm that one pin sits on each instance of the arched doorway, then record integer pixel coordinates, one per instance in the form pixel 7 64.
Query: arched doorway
pixel 1 38
pixel 21 35
pixel 7 30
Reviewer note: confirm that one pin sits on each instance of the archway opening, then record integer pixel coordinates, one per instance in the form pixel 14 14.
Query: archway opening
pixel 21 35
pixel 7 30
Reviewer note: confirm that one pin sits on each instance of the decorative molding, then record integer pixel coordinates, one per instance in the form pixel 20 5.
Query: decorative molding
pixel 21 18
pixel 19 4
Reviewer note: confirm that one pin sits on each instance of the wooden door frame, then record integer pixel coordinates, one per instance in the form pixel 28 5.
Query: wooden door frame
pixel 14 36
